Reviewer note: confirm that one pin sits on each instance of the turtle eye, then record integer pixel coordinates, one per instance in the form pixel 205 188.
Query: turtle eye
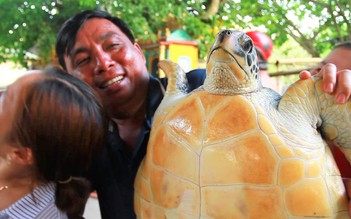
pixel 248 45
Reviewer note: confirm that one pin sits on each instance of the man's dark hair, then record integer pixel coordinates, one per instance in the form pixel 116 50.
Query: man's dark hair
pixel 66 37
pixel 346 45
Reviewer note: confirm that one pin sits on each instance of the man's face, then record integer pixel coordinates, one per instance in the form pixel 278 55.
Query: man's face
pixel 340 57
pixel 107 60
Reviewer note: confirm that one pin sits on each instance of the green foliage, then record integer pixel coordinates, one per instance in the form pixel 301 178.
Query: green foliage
pixel 30 28
pixel 32 25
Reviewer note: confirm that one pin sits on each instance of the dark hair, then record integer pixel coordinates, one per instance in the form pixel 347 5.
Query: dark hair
pixel 346 45
pixel 60 118
pixel 67 35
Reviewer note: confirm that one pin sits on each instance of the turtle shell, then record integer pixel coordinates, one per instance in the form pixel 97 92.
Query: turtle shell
pixel 220 157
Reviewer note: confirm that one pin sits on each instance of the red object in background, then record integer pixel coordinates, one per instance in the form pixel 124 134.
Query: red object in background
pixel 262 42
pixel 342 162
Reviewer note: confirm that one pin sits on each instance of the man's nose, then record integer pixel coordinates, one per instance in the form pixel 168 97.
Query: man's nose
pixel 103 62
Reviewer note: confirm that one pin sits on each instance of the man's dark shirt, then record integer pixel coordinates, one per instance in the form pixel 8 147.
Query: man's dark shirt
pixel 113 174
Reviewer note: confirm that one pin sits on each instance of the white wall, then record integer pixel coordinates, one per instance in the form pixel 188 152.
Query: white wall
pixel 9 72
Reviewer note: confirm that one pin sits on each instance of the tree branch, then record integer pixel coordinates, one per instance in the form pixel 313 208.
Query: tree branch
pixel 348 24
pixel 291 28
pixel 212 9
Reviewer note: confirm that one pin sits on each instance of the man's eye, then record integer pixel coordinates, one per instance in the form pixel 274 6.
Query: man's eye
pixel 113 46
pixel 82 61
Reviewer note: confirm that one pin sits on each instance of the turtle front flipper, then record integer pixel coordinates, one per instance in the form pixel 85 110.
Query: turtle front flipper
pixel 177 84
pixel 336 125
pixel 306 101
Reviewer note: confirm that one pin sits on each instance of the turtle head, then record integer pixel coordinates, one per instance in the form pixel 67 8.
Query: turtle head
pixel 232 65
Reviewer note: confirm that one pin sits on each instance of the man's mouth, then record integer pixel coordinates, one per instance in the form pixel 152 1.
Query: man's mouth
pixel 113 81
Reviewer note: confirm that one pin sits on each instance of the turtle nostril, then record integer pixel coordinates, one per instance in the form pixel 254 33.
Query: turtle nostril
pixel 224 34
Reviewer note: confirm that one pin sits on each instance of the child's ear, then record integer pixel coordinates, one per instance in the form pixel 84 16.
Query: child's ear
pixel 21 155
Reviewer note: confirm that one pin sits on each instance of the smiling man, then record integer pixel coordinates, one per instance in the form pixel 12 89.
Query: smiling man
pixel 102 51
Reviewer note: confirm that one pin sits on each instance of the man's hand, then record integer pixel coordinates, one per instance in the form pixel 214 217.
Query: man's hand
pixel 337 83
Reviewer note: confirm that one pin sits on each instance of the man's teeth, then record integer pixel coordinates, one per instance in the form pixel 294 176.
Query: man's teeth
pixel 115 80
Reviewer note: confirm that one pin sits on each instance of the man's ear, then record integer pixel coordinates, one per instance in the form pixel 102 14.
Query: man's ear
pixel 22 155
pixel 137 46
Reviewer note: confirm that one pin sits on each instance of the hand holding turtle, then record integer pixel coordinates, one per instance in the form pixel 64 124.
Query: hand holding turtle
pixel 334 81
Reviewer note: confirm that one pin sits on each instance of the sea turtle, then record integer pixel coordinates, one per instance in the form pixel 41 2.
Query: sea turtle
pixel 234 149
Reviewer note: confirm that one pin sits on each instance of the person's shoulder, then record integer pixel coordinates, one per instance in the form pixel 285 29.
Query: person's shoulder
pixel 198 72
pixel 198 75
pixel 196 78
pixel 52 212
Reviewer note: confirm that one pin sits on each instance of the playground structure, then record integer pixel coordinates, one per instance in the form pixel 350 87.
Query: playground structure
pixel 177 46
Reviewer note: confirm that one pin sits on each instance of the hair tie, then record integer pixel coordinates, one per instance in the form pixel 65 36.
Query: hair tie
pixel 66 181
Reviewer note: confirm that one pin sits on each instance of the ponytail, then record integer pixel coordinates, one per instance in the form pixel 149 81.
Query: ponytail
pixel 72 196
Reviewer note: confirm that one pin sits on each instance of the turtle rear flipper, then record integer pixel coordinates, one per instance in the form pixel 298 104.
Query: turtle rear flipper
pixel 177 83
